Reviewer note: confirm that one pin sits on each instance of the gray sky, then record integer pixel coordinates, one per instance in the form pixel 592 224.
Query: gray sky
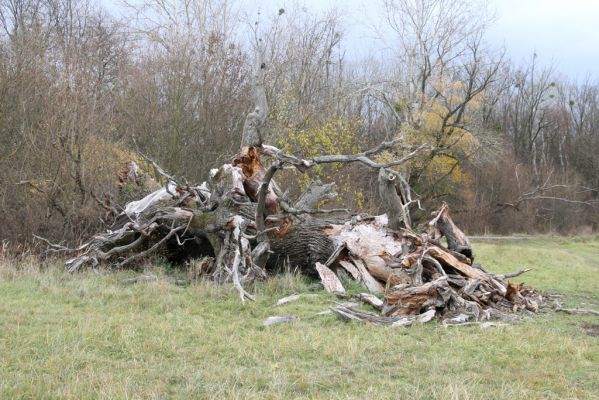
pixel 564 33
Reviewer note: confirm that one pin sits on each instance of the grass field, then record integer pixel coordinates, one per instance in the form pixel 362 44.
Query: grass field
pixel 89 336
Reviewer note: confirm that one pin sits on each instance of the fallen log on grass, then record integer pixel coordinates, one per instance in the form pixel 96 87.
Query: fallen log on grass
pixel 244 227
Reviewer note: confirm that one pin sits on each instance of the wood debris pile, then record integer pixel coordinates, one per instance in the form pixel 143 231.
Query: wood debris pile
pixel 419 277
pixel 244 227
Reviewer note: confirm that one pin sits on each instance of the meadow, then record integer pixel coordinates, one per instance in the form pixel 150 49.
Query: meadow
pixel 92 336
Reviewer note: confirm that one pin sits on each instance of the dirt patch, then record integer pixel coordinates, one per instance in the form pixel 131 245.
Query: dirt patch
pixel 590 329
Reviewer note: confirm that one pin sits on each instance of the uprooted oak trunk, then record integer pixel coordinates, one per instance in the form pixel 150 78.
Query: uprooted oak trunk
pixel 243 223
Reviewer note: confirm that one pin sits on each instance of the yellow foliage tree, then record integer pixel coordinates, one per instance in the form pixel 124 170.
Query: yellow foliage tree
pixel 327 136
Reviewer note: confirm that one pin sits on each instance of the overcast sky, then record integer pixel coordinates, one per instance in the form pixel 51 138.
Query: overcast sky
pixel 564 33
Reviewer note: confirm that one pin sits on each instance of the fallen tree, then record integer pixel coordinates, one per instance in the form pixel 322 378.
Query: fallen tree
pixel 245 227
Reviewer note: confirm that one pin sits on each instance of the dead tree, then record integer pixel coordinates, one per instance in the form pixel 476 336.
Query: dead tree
pixel 242 223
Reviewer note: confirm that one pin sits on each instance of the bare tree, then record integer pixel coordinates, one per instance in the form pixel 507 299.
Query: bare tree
pixel 445 71
pixel 191 83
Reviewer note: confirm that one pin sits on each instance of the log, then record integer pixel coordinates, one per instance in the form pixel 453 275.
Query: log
pixel 300 245
pixel 450 260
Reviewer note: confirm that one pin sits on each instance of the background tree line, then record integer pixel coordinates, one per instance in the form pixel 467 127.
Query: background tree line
pixel 81 88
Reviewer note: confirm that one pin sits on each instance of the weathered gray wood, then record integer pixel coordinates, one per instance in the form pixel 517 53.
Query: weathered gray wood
pixel 314 194
pixel 363 158
pixel 513 274
pixel 392 201
pixel 329 280
pixel 456 239
pixel 354 314
pixel 287 299
pixel 578 311
pixel 372 300
pixel 254 122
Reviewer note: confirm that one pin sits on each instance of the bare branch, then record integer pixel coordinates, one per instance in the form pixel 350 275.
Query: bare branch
pixel 513 274
pixel 578 311
pixel 262 192
pixel 303 165
pixel 152 249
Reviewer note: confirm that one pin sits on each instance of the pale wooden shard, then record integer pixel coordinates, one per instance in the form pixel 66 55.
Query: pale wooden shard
pixel 371 284
pixel 372 300
pixel 287 299
pixel 351 269
pixel 426 316
pixel 329 280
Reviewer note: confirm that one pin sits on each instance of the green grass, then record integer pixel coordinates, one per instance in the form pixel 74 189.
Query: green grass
pixel 568 266
pixel 89 336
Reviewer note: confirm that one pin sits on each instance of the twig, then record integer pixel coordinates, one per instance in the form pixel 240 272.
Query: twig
pixel 512 274
pixel 157 167
pixel 54 247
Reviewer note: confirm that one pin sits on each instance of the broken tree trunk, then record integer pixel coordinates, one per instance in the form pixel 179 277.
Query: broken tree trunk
pixel 393 202
pixel 239 221
pixel 456 239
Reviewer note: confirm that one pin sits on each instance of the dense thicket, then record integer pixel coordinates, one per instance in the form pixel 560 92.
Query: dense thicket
pixel 81 88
